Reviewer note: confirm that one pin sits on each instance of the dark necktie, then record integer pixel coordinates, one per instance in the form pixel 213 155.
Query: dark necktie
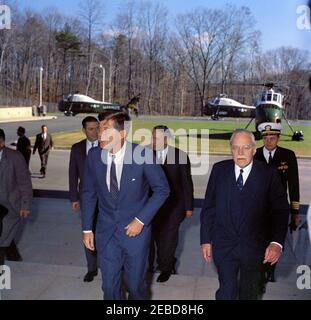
pixel 160 158
pixel 239 182
pixel 114 190
pixel 270 158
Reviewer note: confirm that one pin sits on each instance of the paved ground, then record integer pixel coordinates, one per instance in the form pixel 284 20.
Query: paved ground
pixel 54 264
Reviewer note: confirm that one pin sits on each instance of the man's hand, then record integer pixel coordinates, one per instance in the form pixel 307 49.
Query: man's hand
pixel 206 249
pixel 88 240
pixel 75 206
pixel 273 253
pixel 134 228
pixel 189 213
pixel 24 213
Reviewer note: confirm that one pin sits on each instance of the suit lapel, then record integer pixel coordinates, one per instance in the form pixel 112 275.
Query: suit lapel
pixel 251 186
pixel 127 168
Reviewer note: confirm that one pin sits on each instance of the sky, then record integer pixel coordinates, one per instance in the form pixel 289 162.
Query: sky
pixel 276 19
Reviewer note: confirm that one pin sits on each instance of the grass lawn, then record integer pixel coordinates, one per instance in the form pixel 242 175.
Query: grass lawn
pixel 216 142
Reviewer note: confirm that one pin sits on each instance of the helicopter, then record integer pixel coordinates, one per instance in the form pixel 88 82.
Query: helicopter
pixel 79 103
pixel 223 106
pixel 268 108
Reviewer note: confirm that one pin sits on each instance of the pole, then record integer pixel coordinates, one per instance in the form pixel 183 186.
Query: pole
pixel 40 103
pixel 102 67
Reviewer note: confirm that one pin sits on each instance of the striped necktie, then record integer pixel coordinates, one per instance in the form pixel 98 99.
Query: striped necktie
pixel 239 182
pixel 114 190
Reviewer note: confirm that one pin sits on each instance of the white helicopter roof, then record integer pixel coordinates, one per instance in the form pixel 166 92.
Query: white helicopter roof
pixel 270 97
pixel 82 98
pixel 223 101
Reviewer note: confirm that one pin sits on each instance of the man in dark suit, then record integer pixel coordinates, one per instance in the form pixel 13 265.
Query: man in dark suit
pixel 15 194
pixel 120 175
pixel 165 225
pixel 286 163
pixel 44 144
pixel 78 156
pixel 243 200
pixel 23 144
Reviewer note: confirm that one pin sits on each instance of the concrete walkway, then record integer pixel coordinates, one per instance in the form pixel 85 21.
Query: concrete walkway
pixel 54 262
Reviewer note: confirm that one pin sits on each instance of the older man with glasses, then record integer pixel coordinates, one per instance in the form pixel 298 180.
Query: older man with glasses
pixel 242 198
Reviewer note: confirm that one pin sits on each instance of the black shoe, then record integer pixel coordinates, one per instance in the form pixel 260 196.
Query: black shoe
pixel 164 276
pixel 12 253
pixel 89 277
pixel 271 277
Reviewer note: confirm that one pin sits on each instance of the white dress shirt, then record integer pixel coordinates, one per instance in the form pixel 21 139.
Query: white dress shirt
pixel 1 152
pixel 90 144
pixel 245 174
pixel 44 136
pixel 162 154
pixel 119 159
pixel 266 153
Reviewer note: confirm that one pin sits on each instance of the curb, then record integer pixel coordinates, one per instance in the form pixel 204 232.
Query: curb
pixel 28 119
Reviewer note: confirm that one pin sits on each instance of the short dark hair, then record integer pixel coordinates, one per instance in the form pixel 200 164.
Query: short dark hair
pixel 44 125
pixel 21 130
pixel 2 135
pixel 119 119
pixel 160 127
pixel 88 119
pixel 106 113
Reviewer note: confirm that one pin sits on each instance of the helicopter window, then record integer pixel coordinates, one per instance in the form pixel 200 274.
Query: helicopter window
pixel 269 96
pixel 263 97
pixel 275 97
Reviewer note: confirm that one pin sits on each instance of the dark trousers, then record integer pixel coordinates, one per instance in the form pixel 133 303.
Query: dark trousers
pixel 91 259
pixel 114 259
pixel 239 277
pixel 2 255
pixel 44 162
pixel 166 240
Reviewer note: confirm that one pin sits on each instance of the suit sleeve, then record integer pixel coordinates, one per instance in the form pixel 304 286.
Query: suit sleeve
pixel 51 141
pixel 89 194
pixel 36 144
pixel 279 208
pixel 208 211
pixel 187 184
pixel 73 177
pixel 293 184
pixel 160 191
pixel 23 181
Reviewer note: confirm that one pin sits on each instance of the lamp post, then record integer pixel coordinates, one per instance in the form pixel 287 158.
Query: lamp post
pixel 104 71
pixel 40 90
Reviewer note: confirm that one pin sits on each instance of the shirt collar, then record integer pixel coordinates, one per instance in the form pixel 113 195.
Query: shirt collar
pixel 266 152
pixel 1 154
pixel 119 156
pixel 89 143
pixel 246 170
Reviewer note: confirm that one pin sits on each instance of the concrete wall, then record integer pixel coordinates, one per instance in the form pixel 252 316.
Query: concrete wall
pixel 15 113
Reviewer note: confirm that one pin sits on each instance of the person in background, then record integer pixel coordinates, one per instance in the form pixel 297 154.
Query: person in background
pixel 15 194
pixel 44 144
pixel 286 163
pixel 78 156
pixel 23 144
pixel 165 225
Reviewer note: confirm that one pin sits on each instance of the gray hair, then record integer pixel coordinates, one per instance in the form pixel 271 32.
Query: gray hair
pixel 244 131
